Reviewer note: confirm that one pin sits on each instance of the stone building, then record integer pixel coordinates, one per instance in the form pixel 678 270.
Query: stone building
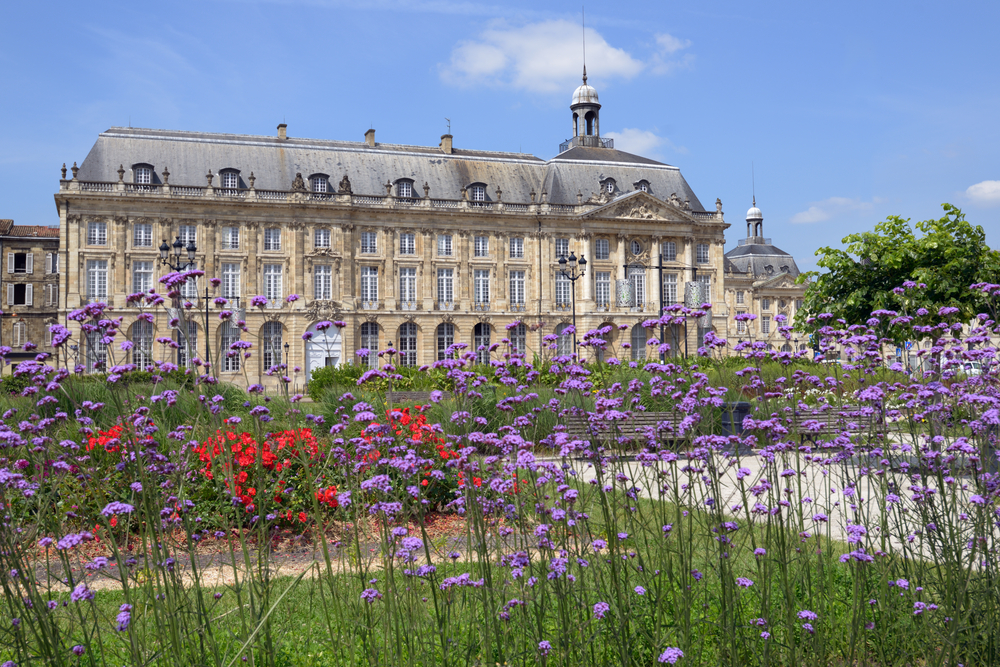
pixel 760 280
pixel 419 246
pixel 29 287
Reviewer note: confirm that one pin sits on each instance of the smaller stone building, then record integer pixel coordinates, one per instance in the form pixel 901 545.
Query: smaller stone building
pixel 760 279
pixel 29 287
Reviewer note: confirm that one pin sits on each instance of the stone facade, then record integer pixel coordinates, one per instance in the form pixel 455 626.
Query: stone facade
pixel 420 246
pixel 29 286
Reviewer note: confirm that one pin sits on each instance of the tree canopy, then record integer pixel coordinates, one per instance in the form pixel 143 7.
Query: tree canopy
pixel 943 256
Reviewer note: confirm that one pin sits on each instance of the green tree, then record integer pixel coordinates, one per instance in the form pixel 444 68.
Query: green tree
pixel 947 255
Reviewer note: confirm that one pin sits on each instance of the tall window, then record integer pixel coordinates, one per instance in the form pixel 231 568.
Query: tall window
pixel 563 286
pixel 230 238
pixel 20 331
pixel 739 296
pixel 741 325
pixel 444 245
pixel 445 339
pixel 408 284
pixel 369 341
pixel 408 344
pixel 638 342
pixel 765 324
pixel 97 233
pixel 272 238
pixel 481 246
pixel 188 345
pixel 229 333
pixel 519 339
pixel 97 280
pixel 446 286
pixel 142 343
pixel 142 276
pixel 230 180
pixel 51 262
pixel 517 288
pixel 562 248
pixel 369 284
pixel 517 247
pixel 407 244
pixel 481 283
pixel 323 281
pixel 270 340
pixel 706 287
pixel 187 234
pixel 319 183
pixel 478 193
pixel 143 175
pixel 97 351
pixel 404 189
pixel 798 304
pixel 481 340
pixel 669 251
pixel 765 303
pixel 272 283
pixel 321 238
pixel 189 288
pixel 368 243
pixel 602 288
pixel 231 281
pixel 564 344
pixel 669 288
pixel 602 249
pixel 703 253
pixel 637 276
pixel 142 235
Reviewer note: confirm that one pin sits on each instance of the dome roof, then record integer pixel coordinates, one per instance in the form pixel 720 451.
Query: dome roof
pixel 754 214
pixel 585 94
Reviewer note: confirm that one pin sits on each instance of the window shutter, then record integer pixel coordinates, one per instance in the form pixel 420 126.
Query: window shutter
pixel 10 295
pixel 28 289
pixel 31 262
pixel 55 262
pixel 10 262
pixel 48 263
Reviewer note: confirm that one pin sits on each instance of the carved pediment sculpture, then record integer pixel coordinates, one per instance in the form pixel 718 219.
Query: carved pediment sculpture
pixel 640 211
pixel 603 197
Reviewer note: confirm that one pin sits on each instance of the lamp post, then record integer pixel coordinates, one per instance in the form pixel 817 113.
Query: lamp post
pixel 573 269
pixel 176 264
pixel 659 267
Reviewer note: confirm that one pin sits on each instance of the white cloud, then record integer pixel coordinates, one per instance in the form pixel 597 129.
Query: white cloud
pixel 546 57
pixel 986 193
pixel 821 211
pixel 642 142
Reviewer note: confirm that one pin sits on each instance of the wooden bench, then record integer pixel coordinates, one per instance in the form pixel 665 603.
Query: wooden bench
pixel 638 425
pixel 411 397
pixel 831 421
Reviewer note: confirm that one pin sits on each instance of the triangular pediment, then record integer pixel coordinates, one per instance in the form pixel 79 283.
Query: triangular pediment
pixel 640 205
pixel 782 280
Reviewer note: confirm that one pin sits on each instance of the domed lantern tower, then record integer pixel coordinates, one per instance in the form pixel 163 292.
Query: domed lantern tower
pixel 586 110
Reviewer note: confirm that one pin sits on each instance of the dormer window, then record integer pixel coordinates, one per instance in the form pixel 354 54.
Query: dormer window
pixel 609 186
pixel 404 189
pixel 230 180
pixel 319 183
pixel 642 185
pixel 478 193
pixel 142 175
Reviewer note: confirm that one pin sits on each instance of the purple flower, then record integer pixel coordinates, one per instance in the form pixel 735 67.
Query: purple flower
pixel 370 595
pixel 600 609
pixel 743 582
pixel 81 593
pixel 544 647
pixel 292 298
pixel 79 649
pixel 124 617
pixel 116 507
pixel 258 301
pixel 807 615
pixel 640 590
pixel 671 655
pixel 809 627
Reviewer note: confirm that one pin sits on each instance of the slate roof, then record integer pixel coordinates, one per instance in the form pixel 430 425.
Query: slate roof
pixel 755 258
pixel 274 162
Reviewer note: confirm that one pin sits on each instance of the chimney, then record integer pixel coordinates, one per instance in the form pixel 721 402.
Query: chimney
pixel 446 143
pixel 281 131
pixel 370 137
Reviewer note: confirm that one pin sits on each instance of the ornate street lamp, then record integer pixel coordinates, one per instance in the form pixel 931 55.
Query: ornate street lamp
pixel 573 269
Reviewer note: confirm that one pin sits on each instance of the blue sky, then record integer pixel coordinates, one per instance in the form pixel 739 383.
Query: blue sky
pixel 848 111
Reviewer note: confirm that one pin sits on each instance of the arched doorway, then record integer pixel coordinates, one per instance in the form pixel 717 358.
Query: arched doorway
pixel 323 348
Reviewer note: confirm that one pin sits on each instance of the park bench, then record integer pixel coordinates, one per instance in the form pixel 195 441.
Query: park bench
pixel 410 397
pixel 813 425
pixel 638 425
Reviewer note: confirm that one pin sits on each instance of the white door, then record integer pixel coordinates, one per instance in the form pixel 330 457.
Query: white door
pixel 324 349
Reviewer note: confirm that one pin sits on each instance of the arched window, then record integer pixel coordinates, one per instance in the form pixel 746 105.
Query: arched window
pixel 230 179
pixel 270 342
pixel 564 345
pixel 519 339
pixel 142 344
pixel 638 343
pixel 404 189
pixel 786 348
pixel 369 341
pixel 143 175
pixel 477 193
pixel 609 185
pixel 229 333
pixel 408 344
pixel 445 339
pixel 97 352
pixel 319 183
pixel 187 345
pixel 481 338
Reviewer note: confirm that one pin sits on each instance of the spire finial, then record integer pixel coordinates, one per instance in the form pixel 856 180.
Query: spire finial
pixel 583 26
pixel 755 201
pixel 585 75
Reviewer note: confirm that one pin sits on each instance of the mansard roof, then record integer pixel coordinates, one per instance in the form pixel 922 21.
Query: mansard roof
pixel 760 259
pixel 274 162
